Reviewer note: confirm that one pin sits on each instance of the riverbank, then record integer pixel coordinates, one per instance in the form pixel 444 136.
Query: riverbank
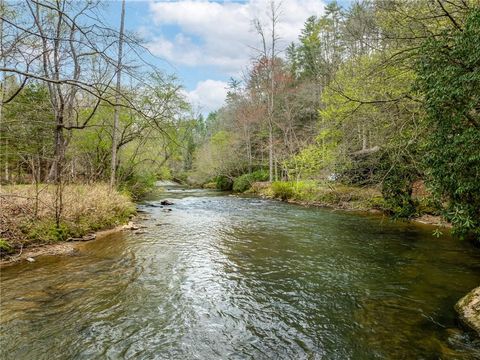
pixel 59 248
pixel 343 197
pixel 27 216
pixel 244 252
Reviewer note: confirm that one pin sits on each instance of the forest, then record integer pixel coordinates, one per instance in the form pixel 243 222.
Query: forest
pixel 376 105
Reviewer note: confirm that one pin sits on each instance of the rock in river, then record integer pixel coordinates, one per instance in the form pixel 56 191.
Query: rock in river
pixel 130 226
pixel 468 309
pixel 166 202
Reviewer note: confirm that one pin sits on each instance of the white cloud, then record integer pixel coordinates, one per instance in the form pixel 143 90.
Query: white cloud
pixel 208 96
pixel 220 34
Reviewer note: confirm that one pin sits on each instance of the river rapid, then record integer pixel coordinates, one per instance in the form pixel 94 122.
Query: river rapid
pixel 226 277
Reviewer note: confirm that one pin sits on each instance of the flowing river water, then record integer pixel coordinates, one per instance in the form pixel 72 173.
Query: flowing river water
pixel 223 277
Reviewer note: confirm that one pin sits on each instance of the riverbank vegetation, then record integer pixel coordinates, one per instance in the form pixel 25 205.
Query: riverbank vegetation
pixel 28 213
pixel 80 107
pixel 376 105
pixel 372 102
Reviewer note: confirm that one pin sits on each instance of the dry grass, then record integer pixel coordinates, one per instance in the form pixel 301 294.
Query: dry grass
pixel 27 213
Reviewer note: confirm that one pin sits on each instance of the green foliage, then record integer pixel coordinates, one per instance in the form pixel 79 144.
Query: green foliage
pixel 47 231
pixel 137 184
pixel 428 205
pixel 310 161
pixel 244 182
pixel 218 157
pixel 5 247
pixel 325 194
pixel 26 131
pixel 223 183
pixel 283 190
pixel 397 186
pixel 449 76
pixel 296 190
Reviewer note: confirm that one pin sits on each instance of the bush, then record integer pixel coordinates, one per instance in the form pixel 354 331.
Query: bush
pixel 224 183
pixel 137 184
pixel 5 247
pixel 245 181
pixel 305 190
pixel 283 190
pixel 210 185
pixel 397 191
pixel 337 195
pixel 298 190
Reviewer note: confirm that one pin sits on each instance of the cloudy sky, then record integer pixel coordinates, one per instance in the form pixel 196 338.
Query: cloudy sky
pixel 207 42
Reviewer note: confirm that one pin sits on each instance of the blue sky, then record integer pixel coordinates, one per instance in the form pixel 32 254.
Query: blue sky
pixel 205 43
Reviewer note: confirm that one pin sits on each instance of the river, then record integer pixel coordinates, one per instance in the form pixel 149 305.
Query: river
pixel 225 277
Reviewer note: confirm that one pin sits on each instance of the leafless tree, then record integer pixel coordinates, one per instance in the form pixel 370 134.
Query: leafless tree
pixel 268 55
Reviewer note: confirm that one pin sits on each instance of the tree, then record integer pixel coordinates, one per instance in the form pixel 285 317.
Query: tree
pixel 449 76
pixel 117 98
pixel 268 58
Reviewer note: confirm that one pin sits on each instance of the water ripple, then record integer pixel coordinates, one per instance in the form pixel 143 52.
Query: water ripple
pixel 223 277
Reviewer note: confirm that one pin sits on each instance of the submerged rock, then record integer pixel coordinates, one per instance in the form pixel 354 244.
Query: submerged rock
pixel 152 205
pixel 166 202
pixel 468 309
pixel 130 226
pixel 89 237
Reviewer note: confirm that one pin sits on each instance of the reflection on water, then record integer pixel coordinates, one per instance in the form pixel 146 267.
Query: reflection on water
pixel 222 277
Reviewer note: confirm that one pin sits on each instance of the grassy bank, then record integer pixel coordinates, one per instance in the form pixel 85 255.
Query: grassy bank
pixel 321 194
pixel 27 213
pixel 345 197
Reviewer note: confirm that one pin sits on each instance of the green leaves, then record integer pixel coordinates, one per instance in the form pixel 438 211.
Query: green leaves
pixel 449 76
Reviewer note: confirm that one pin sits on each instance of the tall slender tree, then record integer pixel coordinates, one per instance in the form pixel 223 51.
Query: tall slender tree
pixel 117 98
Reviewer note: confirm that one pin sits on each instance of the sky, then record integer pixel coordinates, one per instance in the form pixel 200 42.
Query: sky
pixel 207 42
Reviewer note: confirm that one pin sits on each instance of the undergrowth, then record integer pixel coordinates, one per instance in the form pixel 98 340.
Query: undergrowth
pixel 27 213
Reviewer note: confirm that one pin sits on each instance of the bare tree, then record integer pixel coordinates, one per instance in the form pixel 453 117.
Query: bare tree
pixel 268 55
pixel 117 99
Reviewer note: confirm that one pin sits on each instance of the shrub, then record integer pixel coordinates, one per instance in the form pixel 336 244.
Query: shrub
pixel 210 185
pixel 245 181
pixel 137 184
pixel 397 192
pixel 283 190
pixel 224 183
pixel 305 190
pixel 5 247
pixel 299 190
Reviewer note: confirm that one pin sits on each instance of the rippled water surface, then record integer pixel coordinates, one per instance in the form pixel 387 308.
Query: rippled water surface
pixel 222 277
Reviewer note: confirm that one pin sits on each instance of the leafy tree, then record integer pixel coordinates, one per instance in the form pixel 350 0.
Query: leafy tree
pixel 27 132
pixel 449 76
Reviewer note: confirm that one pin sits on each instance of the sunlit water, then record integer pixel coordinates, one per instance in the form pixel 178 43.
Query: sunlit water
pixel 222 277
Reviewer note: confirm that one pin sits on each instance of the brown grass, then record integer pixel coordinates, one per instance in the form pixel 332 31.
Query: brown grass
pixel 27 213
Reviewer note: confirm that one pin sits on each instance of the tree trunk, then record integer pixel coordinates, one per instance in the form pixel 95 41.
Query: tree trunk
pixel 2 87
pixel 270 154
pixel 117 100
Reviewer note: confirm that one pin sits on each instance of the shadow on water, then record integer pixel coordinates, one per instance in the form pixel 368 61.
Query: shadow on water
pixel 220 276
